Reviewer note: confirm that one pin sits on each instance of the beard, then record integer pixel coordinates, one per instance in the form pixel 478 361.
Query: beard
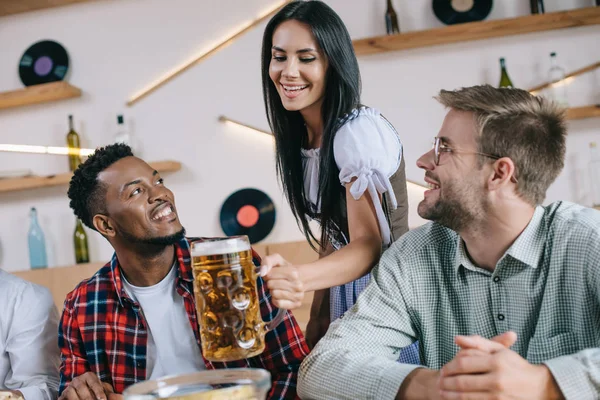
pixel 460 205
pixel 158 241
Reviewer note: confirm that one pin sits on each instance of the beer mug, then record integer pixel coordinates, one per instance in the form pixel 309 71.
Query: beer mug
pixel 227 304
pixel 219 384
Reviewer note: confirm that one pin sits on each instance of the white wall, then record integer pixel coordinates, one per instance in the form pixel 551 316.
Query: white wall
pixel 118 47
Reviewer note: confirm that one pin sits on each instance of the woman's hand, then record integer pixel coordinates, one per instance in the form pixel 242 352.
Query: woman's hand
pixel 283 281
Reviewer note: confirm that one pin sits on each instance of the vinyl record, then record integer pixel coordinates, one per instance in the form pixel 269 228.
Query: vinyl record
pixel 43 62
pixel 460 11
pixel 248 212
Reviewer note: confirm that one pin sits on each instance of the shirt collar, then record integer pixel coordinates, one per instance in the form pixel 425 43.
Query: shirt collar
pixel 527 248
pixel 184 270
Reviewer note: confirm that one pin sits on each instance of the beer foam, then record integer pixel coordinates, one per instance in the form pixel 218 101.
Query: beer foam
pixel 215 247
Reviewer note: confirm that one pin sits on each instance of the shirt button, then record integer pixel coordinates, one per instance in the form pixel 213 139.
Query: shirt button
pixel 139 364
pixel 501 317
pixel 496 279
pixel 141 326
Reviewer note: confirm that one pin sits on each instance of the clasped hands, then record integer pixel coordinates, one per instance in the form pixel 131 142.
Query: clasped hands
pixel 488 369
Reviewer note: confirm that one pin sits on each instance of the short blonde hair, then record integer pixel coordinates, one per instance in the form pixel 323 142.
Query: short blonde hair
pixel 513 123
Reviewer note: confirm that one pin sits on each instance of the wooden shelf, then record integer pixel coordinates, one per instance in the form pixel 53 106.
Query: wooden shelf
pixel 8 7
pixel 38 94
pixel 573 74
pixel 478 30
pixel 583 112
pixel 34 182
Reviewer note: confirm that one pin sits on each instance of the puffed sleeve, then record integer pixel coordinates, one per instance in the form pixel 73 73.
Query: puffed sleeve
pixel 367 147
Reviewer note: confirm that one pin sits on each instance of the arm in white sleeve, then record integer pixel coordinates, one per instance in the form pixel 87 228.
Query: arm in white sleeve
pixel 368 148
pixel 32 345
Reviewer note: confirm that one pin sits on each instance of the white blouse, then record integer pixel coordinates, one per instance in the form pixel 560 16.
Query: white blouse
pixel 366 147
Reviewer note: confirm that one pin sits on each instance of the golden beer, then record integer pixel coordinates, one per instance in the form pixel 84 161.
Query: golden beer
pixel 231 327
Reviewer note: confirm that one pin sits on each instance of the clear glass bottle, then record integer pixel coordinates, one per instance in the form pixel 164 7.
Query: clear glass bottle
pixel 594 170
pixel 558 90
pixel 37 243
pixel 124 135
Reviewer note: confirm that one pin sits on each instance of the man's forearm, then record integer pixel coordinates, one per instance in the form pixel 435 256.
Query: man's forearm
pixel 335 376
pixel 577 375
pixel 421 384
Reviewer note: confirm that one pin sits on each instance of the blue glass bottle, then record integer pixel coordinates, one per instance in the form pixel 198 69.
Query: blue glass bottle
pixel 37 244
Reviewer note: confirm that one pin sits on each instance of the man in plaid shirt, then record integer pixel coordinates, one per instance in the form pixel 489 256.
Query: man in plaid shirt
pixel 135 319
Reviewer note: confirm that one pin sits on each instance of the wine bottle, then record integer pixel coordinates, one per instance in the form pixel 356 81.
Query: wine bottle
pixel 391 19
pixel 537 6
pixel 504 78
pixel 37 243
pixel 556 75
pixel 73 145
pixel 82 254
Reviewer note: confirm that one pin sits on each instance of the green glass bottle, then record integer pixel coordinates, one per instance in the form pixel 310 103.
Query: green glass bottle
pixel 504 78
pixel 73 144
pixel 82 255
pixel 391 19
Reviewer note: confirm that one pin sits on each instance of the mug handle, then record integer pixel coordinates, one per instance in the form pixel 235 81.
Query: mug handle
pixel 269 326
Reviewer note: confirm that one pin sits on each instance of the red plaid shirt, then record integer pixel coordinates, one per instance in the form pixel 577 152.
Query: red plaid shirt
pixel 103 330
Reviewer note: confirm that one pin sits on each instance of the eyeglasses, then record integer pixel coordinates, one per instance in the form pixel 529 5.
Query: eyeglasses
pixel 440 147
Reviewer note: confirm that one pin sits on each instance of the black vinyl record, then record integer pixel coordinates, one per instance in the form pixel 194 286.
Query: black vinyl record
pixel 460 11
pixel 248 212
pixel 43 62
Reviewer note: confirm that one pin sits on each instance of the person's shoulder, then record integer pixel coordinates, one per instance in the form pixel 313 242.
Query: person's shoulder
pixel 359 118
pixel 423 237
pixel 367 137
pixel 364 122
pixel 98 284
pixel 13 287
pixel 568 218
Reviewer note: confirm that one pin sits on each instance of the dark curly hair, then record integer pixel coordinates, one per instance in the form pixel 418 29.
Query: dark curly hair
pixel 86 193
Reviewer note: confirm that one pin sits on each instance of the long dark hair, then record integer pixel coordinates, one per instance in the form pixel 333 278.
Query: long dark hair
pixel 342 95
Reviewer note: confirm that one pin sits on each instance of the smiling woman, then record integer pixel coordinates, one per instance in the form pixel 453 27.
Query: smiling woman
pixel 340 163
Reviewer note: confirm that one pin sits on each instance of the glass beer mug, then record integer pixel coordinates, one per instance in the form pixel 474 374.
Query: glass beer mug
pixel 231 327
pixel 224 384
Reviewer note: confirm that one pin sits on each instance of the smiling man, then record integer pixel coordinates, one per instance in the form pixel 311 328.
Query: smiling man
pixel 503 294
pixel 135 319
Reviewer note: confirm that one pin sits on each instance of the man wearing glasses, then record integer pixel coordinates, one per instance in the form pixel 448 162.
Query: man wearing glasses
pixel 503 294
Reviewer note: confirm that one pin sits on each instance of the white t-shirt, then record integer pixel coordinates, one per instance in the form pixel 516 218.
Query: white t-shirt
pixel 29 354
pixel 172 347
